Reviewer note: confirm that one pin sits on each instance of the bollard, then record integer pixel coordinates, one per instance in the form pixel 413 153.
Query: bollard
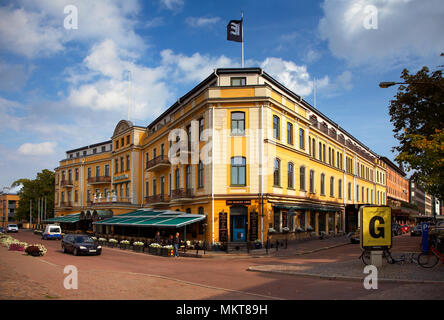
pixel 376 258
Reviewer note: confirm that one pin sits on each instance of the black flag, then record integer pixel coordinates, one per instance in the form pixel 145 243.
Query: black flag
pixel 234 30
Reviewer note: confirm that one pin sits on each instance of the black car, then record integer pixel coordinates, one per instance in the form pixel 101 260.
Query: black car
pixel 80 244
pixel 416 231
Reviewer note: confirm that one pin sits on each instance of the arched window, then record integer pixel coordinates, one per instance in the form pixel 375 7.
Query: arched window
pixel 238 123
pixel 302 178
pixel 322 184
pixel 177 179
pixel 276 127
pixel 290 175
pixel 340 188
pixel 277 172
pixel 332 186
pixel 238 171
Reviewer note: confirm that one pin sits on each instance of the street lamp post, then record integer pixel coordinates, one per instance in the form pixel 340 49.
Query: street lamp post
pixel 387 84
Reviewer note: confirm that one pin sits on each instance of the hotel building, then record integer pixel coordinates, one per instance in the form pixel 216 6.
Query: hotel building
pixel 254 158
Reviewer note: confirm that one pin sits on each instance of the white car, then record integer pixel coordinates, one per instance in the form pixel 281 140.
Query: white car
pixel 12 228
pixel 52 231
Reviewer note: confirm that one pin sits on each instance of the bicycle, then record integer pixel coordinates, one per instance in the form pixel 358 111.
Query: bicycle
pixel 430 259
pixel 365 256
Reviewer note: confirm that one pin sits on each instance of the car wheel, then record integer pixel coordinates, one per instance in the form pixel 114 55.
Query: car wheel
pixel 75 252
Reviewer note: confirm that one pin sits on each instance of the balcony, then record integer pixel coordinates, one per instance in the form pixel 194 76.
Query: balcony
pixel 158 163
pixel 66 183
pixel 99 180
pixel 157 199
pixel 111 200
pixel 182 194
pixel 66 205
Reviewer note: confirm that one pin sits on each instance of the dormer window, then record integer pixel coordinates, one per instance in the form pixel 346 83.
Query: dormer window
pixel 238 81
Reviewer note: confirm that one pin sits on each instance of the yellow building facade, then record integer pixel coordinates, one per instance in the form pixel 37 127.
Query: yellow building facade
pixel 252 156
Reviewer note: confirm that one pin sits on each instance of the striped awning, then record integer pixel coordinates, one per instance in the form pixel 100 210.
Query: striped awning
pixel 69 218
pixel 150 218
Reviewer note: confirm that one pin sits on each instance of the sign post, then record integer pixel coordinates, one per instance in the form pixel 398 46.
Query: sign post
pixel 376 231
pixel 425 236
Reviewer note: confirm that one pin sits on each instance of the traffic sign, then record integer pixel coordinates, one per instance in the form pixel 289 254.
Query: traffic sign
pixel 376 227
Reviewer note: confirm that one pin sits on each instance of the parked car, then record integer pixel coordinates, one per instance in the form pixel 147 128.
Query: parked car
pixel 2 230
pixel 396 230
pixel 12 228
pixel 416 231
pixel 80 244
pixel 52 231
pixel 405 228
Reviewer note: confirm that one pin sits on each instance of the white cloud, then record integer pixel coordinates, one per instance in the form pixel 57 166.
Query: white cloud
pixel 201 21
pixel 172 4
pixel 36 28
pixel 37 149
pixel 13 77
pixel 406 29
pixel 295 77
pixel 195 67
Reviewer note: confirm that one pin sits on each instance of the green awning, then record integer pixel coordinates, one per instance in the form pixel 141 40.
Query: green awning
pixel 70 218
pixel 149 218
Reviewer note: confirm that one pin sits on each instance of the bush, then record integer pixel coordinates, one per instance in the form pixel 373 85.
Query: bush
pixel 33 251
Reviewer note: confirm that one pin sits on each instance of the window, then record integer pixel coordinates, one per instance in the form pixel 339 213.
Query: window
pixel 127 190
pixel 84 153
pixel 313 145
pixel 147 188
pixel 97 171
pixel 322 184
pixel 241 81
pixel 94 150
pixel 340 188
pixel 122 142
pixel 77 154
pixel 76 196
pixel 121 164
pixel 289 133
pixel 367 195
pixel 106 170
pixel 302 178
pixel 200 176
pixel 128 139
pixel 69 175
pixel 162 185
pixel 127 163
pixel 349 191
pixel 371 193
pixel 277 172
pixel 177 179
pixel 312 187
pixel 323 152
pixel 188 178
pixel 276 124
pixel 169 184
pixel 362 194
pixel 238 171
pixel 117 144
pixel 290 175
pixel 154 187
pixel 89 172
pixel 162 150
pixel 320 151
pixel 77 174
pixel 357 193
pixel 201 128
pixel 332 187
pixel 103 149
pixel 301 139
pixel 238 123
pixel 116 165
pixel 154 153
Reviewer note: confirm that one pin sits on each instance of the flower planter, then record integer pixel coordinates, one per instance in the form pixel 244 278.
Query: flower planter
pixel 138 248
pixel 158 251
pixel 258 245
pixel 164 252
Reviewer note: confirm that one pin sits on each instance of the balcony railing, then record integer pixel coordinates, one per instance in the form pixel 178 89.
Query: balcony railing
pixel 109 201
pixel 158 163
pixel 65 204
pixel 182 194
pixel 158 198
pixel 66 183
pixel 99 179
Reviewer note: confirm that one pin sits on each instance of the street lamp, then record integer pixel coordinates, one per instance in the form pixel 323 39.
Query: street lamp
pixel 386 84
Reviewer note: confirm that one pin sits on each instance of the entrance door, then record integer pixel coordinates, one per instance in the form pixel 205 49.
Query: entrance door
pixel 238 227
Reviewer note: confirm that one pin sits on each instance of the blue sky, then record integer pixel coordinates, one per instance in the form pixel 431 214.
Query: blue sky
pixel 62 89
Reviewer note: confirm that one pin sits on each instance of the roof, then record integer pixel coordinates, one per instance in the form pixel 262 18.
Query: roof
pixel 90 146
pixel 151 218
pixel 393 166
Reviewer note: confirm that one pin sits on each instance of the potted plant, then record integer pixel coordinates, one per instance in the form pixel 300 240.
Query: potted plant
pixel 299 229
pixel 138 246
pixel 257 244
pixel 167 251
pixel 216 246
pixel 271 230
pixel 112 243
pixel 285 229
pixel 155 248
pixel 164 251
pixel 102 241
pixel 124 244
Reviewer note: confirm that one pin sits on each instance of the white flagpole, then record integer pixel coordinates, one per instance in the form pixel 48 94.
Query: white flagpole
pixel 242 39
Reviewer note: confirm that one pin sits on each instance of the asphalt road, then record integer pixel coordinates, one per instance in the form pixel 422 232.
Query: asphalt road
pixel 120 274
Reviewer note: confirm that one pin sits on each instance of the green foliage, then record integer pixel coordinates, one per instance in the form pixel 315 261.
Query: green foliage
pixel 418 118
pixel 42 186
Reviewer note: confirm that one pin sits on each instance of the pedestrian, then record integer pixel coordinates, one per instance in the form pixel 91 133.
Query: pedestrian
pixel 171 240
pixel 157 237
pixel 176 244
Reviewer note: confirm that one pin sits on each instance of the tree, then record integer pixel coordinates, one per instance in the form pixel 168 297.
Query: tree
pixel 41 187
pixel 418 118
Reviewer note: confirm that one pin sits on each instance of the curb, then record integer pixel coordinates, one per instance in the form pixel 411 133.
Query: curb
pixel 344 278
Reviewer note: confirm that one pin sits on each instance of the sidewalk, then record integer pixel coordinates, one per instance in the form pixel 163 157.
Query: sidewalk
pixel 294 248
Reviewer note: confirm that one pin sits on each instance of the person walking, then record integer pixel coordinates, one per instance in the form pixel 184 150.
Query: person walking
pixel 176 244
pixel 157 238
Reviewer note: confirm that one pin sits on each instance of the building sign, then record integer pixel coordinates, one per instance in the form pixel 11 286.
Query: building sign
pixel 123 176
pixel 376 227
pixel 253 226
pixel 223 227
pixel 238 202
